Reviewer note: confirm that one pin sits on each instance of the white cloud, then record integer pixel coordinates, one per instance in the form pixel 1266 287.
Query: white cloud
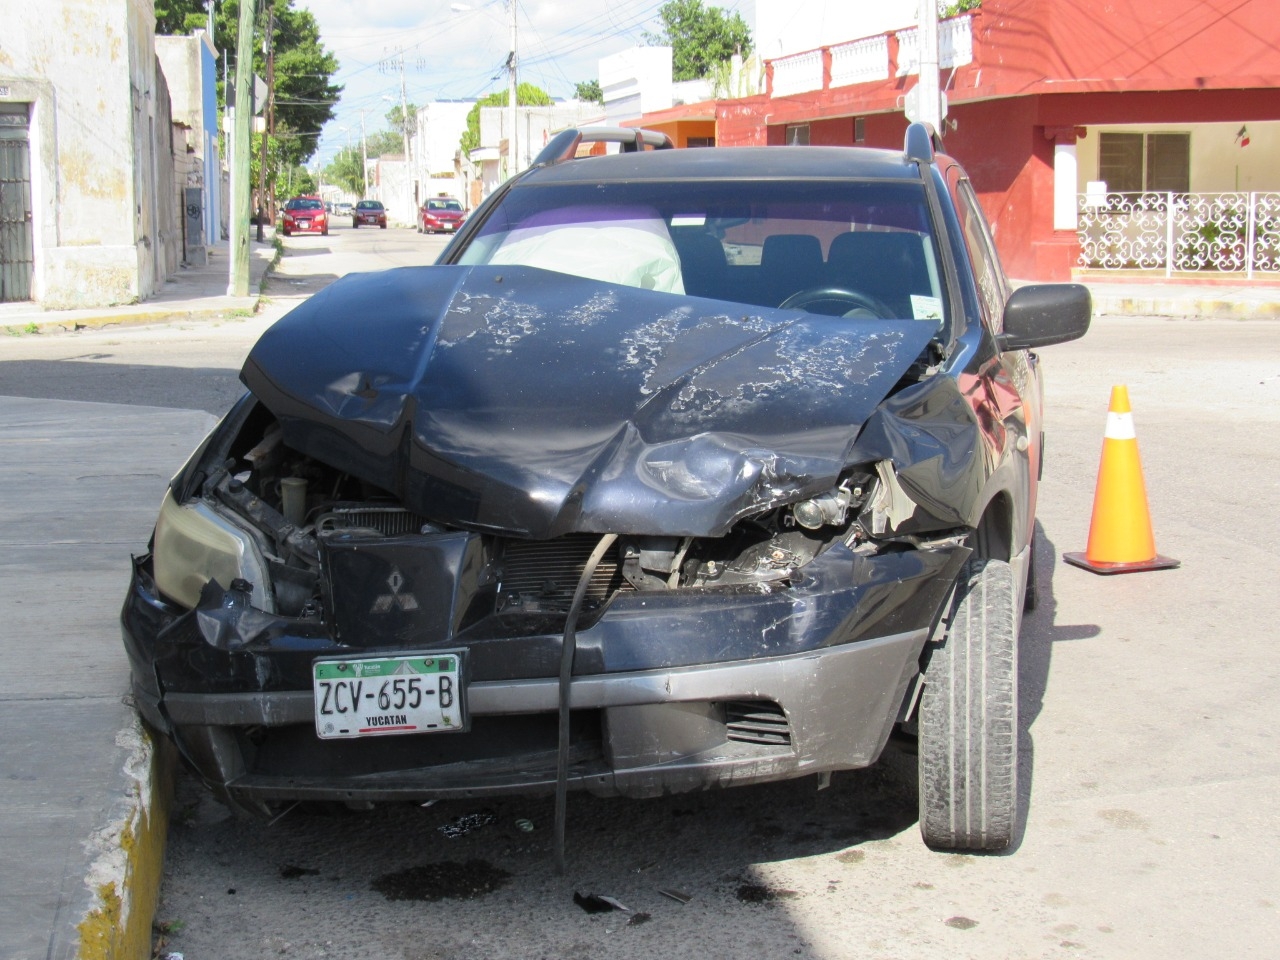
pixel 450 54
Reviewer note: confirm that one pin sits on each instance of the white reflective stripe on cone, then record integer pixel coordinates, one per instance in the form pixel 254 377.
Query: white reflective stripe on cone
pixel 1120 427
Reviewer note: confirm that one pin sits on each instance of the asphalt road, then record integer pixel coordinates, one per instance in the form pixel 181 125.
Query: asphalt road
pixel 1149 757
pixel 196 365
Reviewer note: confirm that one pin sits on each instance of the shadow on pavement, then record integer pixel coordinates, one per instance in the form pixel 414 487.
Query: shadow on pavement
pixel 1035 654
pixel 212 389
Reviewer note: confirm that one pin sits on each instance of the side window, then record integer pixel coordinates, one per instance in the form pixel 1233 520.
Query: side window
pixel 992 289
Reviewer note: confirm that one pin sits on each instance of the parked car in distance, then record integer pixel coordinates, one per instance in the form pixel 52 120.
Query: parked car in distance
pixel 683 469
pixel 304 215
pixel 342 209
pixel 440 215
pixel 370 213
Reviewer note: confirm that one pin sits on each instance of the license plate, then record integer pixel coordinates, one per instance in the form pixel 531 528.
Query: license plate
pixel 447 226
pixel 304 224
pixel 377 697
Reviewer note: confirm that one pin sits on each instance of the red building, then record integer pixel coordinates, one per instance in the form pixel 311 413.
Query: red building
pixel 1046 98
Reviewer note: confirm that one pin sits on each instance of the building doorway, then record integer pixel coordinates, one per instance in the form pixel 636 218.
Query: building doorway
pixel 16 243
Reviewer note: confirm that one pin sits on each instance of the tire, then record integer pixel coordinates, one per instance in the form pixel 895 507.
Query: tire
pixel 382 226
pixel 355 224
pixel 968 748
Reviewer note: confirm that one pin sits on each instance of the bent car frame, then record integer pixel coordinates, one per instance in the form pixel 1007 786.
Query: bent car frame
pixel 681 469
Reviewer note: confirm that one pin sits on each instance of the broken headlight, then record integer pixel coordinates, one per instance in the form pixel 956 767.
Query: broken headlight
pixel 194 544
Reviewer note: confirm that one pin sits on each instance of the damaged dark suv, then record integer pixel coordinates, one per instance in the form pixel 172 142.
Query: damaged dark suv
pixel 682 469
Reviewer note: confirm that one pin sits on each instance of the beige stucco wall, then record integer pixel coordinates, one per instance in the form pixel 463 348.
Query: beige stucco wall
pixel 89 72
pixel 1218 163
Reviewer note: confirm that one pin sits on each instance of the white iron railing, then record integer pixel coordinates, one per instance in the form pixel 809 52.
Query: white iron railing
pixel 955 45
pixel 1226 232
pixel 799 73
pixel 867 60
pixel 862 61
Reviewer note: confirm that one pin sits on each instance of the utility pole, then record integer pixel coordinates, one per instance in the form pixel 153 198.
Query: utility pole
pixel 930 103
pixel 404 113
pixel 238 286
pixel 513 154
pixel 364 159
pixel 386 65
pixel 268 47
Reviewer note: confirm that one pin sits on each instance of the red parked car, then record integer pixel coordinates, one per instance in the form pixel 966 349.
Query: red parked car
pixel 440 214
pixel 305 215
pixel 369 213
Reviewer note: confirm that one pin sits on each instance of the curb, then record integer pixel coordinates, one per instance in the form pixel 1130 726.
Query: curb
pixel 128 853
pixel 1185 308
pixel 137 318
pixel 226 308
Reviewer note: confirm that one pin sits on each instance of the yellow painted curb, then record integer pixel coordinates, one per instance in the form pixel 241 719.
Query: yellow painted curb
pixel 125 875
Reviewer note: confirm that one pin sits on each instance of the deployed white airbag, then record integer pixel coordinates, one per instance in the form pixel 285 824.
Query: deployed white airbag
pixel 629 249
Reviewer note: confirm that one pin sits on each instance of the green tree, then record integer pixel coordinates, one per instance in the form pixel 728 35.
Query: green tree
pixel 300 181
pixel 347 170
pixel 383 143
pixel 747 82
pixel 175 17
pixel 699 37
pixel 400 126
pixel 305 95
pixel 276 162
pixel 588 91
pixel 527 95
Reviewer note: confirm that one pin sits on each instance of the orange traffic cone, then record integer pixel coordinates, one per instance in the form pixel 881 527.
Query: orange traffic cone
pixel 1120 538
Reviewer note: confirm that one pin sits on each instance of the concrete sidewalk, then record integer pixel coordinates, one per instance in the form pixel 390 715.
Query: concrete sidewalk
pixel 85 789
pixel 192 293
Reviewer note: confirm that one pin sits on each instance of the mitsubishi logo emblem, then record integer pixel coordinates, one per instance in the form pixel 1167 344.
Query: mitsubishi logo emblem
pixel 386 602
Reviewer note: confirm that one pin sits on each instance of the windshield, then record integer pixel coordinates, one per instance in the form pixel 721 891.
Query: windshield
pixel 453 205
pixel 369 205
pixel 842 247
pixel 304 205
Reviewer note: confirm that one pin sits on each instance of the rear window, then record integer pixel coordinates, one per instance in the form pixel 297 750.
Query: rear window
pixel 758 242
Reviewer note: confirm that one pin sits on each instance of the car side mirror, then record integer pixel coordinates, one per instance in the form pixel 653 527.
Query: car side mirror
pixel 1041 314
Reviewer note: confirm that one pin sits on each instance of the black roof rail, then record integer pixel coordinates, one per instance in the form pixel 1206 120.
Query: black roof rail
pixel 564 145
pixel 921 142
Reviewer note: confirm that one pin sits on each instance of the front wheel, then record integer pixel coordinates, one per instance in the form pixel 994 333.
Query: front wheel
pixel 968 748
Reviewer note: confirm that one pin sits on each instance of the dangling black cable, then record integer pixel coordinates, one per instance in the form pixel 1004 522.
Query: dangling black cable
pixel 567 648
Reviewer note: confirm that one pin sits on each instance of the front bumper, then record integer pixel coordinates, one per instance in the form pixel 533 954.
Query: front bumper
pixel 671 692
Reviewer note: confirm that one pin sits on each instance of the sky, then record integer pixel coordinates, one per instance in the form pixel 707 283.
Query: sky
pixel 453 50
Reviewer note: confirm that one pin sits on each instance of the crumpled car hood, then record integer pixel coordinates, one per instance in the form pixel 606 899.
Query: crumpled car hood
pixel 537 404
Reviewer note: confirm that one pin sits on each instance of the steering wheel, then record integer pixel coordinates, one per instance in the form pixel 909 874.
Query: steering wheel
pixel 847 303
